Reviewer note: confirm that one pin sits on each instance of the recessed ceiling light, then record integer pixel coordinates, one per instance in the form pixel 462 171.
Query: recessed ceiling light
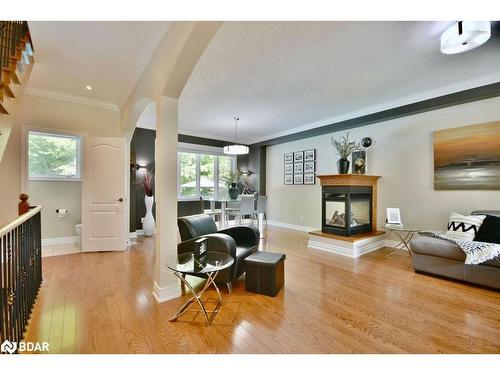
pixel 464 36
pixel 88 87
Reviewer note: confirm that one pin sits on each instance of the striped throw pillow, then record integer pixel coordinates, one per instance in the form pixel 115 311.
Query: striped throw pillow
pixel 463 227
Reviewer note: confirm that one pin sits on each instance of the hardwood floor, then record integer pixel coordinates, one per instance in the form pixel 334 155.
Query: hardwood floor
pixel 102 303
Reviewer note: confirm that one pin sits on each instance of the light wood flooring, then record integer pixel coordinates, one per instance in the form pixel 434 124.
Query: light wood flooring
pixel 102 303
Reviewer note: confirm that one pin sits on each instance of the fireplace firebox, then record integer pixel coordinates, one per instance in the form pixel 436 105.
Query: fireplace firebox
pixel 347 210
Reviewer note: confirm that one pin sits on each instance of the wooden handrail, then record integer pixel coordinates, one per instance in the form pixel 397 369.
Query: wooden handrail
pixel 21 219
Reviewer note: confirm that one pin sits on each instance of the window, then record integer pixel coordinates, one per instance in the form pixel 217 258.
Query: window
pixel 53 156
pixel 199 174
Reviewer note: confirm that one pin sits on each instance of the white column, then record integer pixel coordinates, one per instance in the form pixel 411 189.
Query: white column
pixel 166 285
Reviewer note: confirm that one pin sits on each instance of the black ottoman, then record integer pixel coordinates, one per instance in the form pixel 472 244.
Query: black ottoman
pixel 265 273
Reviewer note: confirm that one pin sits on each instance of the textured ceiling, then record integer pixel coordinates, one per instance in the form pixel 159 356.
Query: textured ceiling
pixel 109 56
pixel 280 77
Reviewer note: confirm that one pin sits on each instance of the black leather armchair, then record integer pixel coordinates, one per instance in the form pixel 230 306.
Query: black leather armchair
pixel 239 242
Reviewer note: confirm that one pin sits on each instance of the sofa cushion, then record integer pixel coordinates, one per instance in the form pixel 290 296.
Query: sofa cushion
pixel 462 227
pixel 489 230
pixel 436 247
pixel 443 249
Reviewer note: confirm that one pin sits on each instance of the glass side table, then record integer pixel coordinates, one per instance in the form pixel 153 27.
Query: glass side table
pixel 405 235
pixel 185 264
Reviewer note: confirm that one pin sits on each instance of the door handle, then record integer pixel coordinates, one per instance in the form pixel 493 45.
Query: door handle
pixel 121 200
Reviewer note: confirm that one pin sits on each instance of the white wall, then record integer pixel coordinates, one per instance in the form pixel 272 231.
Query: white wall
pixel 46 113
pixel 402 155
pixel 57 194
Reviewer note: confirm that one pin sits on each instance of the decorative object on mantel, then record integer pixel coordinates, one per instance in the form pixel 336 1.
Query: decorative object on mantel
pixel 24 205
pixel 300 167
pixel 148 226
pixel 359 156
pixel 344 150
pixel 467 158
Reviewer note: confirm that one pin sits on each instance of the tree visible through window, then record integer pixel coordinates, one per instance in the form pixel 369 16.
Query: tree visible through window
pixel 187 166
pixel 199 174
pixel 53 156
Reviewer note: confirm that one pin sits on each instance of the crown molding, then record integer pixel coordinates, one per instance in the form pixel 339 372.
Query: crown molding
pixel 57 95
pixel 408 100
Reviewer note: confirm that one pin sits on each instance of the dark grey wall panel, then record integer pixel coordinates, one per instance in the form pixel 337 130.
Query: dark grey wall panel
pixel 461 97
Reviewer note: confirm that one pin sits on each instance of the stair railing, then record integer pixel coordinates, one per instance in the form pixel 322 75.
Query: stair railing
pixel 20 273
pixel 12 33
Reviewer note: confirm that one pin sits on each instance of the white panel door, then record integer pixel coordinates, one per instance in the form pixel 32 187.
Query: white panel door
pixel 104 187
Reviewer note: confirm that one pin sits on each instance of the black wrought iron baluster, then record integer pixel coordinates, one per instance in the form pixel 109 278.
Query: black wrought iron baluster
pixel 2 296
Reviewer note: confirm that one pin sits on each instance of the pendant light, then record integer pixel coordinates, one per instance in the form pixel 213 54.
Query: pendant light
pixel 464 36
pixel 236 149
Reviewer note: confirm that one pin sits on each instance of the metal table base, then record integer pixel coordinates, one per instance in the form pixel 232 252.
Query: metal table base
pixel 196 298
pixel 404 243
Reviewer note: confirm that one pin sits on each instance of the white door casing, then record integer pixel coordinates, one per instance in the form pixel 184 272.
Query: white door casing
pixel 104 208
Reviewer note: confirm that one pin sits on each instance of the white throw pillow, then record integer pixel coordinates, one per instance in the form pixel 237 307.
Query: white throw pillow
pixel 463 227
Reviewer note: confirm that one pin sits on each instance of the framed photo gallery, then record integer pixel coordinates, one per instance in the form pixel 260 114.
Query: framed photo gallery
pixel 300 168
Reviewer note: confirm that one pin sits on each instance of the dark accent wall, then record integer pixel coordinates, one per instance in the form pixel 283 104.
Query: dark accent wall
pixel 143 144
pixel 255 162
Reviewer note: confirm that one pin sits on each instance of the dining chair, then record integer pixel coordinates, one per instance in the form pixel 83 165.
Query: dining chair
pixel 246 208
pixel 212 212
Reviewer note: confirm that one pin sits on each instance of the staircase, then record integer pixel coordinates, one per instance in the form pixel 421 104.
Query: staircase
pixel 16 60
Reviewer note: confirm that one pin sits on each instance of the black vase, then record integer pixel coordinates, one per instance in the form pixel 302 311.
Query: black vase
pixel 343 166
pixel 233 191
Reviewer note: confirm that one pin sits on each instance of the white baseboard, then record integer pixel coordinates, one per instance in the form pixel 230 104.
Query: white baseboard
pixel 291 226
pixel 59 240
pixel 347 248
pixel 167 293
pixel 132 235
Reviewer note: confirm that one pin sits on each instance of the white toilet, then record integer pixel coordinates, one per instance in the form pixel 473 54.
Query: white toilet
pixel 78 232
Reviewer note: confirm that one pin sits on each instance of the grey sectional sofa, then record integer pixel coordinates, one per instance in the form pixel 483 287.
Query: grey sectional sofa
pixel 440 257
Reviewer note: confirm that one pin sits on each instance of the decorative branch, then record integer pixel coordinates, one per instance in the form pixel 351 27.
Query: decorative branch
pixel 344 147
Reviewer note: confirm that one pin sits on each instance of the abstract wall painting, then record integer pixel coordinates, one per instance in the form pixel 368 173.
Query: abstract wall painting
pixel 467 158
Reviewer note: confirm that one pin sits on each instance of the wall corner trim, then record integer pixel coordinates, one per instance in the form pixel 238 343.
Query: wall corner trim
pixel 167 293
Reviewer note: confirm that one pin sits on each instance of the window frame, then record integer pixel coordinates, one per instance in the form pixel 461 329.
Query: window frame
pixel 198 153
pixel 79 148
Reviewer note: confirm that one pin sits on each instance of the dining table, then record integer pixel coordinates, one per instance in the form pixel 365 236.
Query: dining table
pixel 223 207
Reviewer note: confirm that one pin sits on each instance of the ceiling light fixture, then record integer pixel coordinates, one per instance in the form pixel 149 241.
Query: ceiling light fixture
pixel 236 149
pixel 464 36
pixel 88 87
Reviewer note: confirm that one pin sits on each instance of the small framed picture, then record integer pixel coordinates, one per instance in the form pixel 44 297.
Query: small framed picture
pixel 298 168
pixel 289 179
pixel 393 216
pixel 298 179
pixel 298 156
pixel 289 158
pixel 309 179
pixel 288 168
pixel 309 167
pixel 309 155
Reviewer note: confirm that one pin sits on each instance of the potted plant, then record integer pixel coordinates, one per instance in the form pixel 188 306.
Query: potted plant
pixel 148 226
pixel 231 179
pixel 344 149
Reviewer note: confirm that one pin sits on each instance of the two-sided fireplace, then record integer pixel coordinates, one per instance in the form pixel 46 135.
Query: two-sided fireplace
pixel 347 210
pixel 349 204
